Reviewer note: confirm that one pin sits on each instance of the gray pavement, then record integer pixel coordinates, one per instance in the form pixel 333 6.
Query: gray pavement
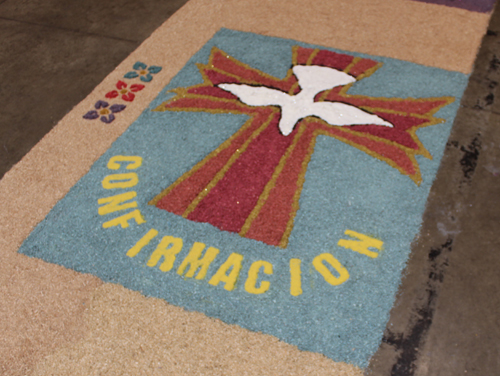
pixel 446 320
pixel 54 52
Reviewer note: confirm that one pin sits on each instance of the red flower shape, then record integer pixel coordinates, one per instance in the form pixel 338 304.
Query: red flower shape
pixel 127 95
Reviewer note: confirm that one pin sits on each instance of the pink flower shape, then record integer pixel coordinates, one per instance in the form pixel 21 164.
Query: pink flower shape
pixel 127 94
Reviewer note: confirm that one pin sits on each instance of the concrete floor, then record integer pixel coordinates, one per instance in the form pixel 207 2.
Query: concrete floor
pixel 54 52
pixel 446 320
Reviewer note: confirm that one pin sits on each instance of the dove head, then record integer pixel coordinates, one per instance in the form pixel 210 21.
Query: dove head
pixel 316 78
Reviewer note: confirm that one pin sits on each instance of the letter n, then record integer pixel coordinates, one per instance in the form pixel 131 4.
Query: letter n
pixel 362 244
pixel 114 203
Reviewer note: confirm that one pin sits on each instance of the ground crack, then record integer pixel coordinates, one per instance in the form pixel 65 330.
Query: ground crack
pixel 407 345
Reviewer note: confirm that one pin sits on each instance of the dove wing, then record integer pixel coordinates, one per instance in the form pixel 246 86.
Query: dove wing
pixel 257 96
pixel 341 114
pixel 313 78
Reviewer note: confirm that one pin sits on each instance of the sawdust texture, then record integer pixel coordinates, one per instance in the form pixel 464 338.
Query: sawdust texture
pixel 133 335
pixel 428 34
pixel 39 309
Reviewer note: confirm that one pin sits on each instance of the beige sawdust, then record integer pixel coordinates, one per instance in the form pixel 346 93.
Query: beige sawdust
pixel 40 309
pixel 427 34
pixel 133 335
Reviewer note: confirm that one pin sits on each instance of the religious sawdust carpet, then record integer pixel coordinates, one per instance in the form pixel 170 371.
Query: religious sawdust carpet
pixel 204 202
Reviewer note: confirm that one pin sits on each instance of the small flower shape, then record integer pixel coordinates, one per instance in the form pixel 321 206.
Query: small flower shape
pixel 142 70
pixel 102 110
pixel 127 95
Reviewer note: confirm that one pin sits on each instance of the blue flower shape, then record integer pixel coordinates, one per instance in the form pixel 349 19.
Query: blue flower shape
pixel 102 111
pixel 142 70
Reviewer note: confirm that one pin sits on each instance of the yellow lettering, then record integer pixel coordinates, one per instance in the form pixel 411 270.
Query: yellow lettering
pixel 120 180
pixel 113 203
pixel 362 244
pixel 325 272
pixel 169 247
pixel 114 165
pixel 123 220
pixel 195 263
pixel 233 261
pixel 295 277
pixel 253 276
pixel 144 241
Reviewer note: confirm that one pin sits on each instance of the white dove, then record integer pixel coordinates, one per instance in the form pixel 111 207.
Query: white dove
pixel 312 80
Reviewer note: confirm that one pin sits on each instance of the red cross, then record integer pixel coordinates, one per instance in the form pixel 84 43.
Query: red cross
pixel 251 184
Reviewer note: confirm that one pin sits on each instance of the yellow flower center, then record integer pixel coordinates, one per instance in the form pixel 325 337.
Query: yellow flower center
pixel 123 91
pixel 104 111
pixel 143 72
